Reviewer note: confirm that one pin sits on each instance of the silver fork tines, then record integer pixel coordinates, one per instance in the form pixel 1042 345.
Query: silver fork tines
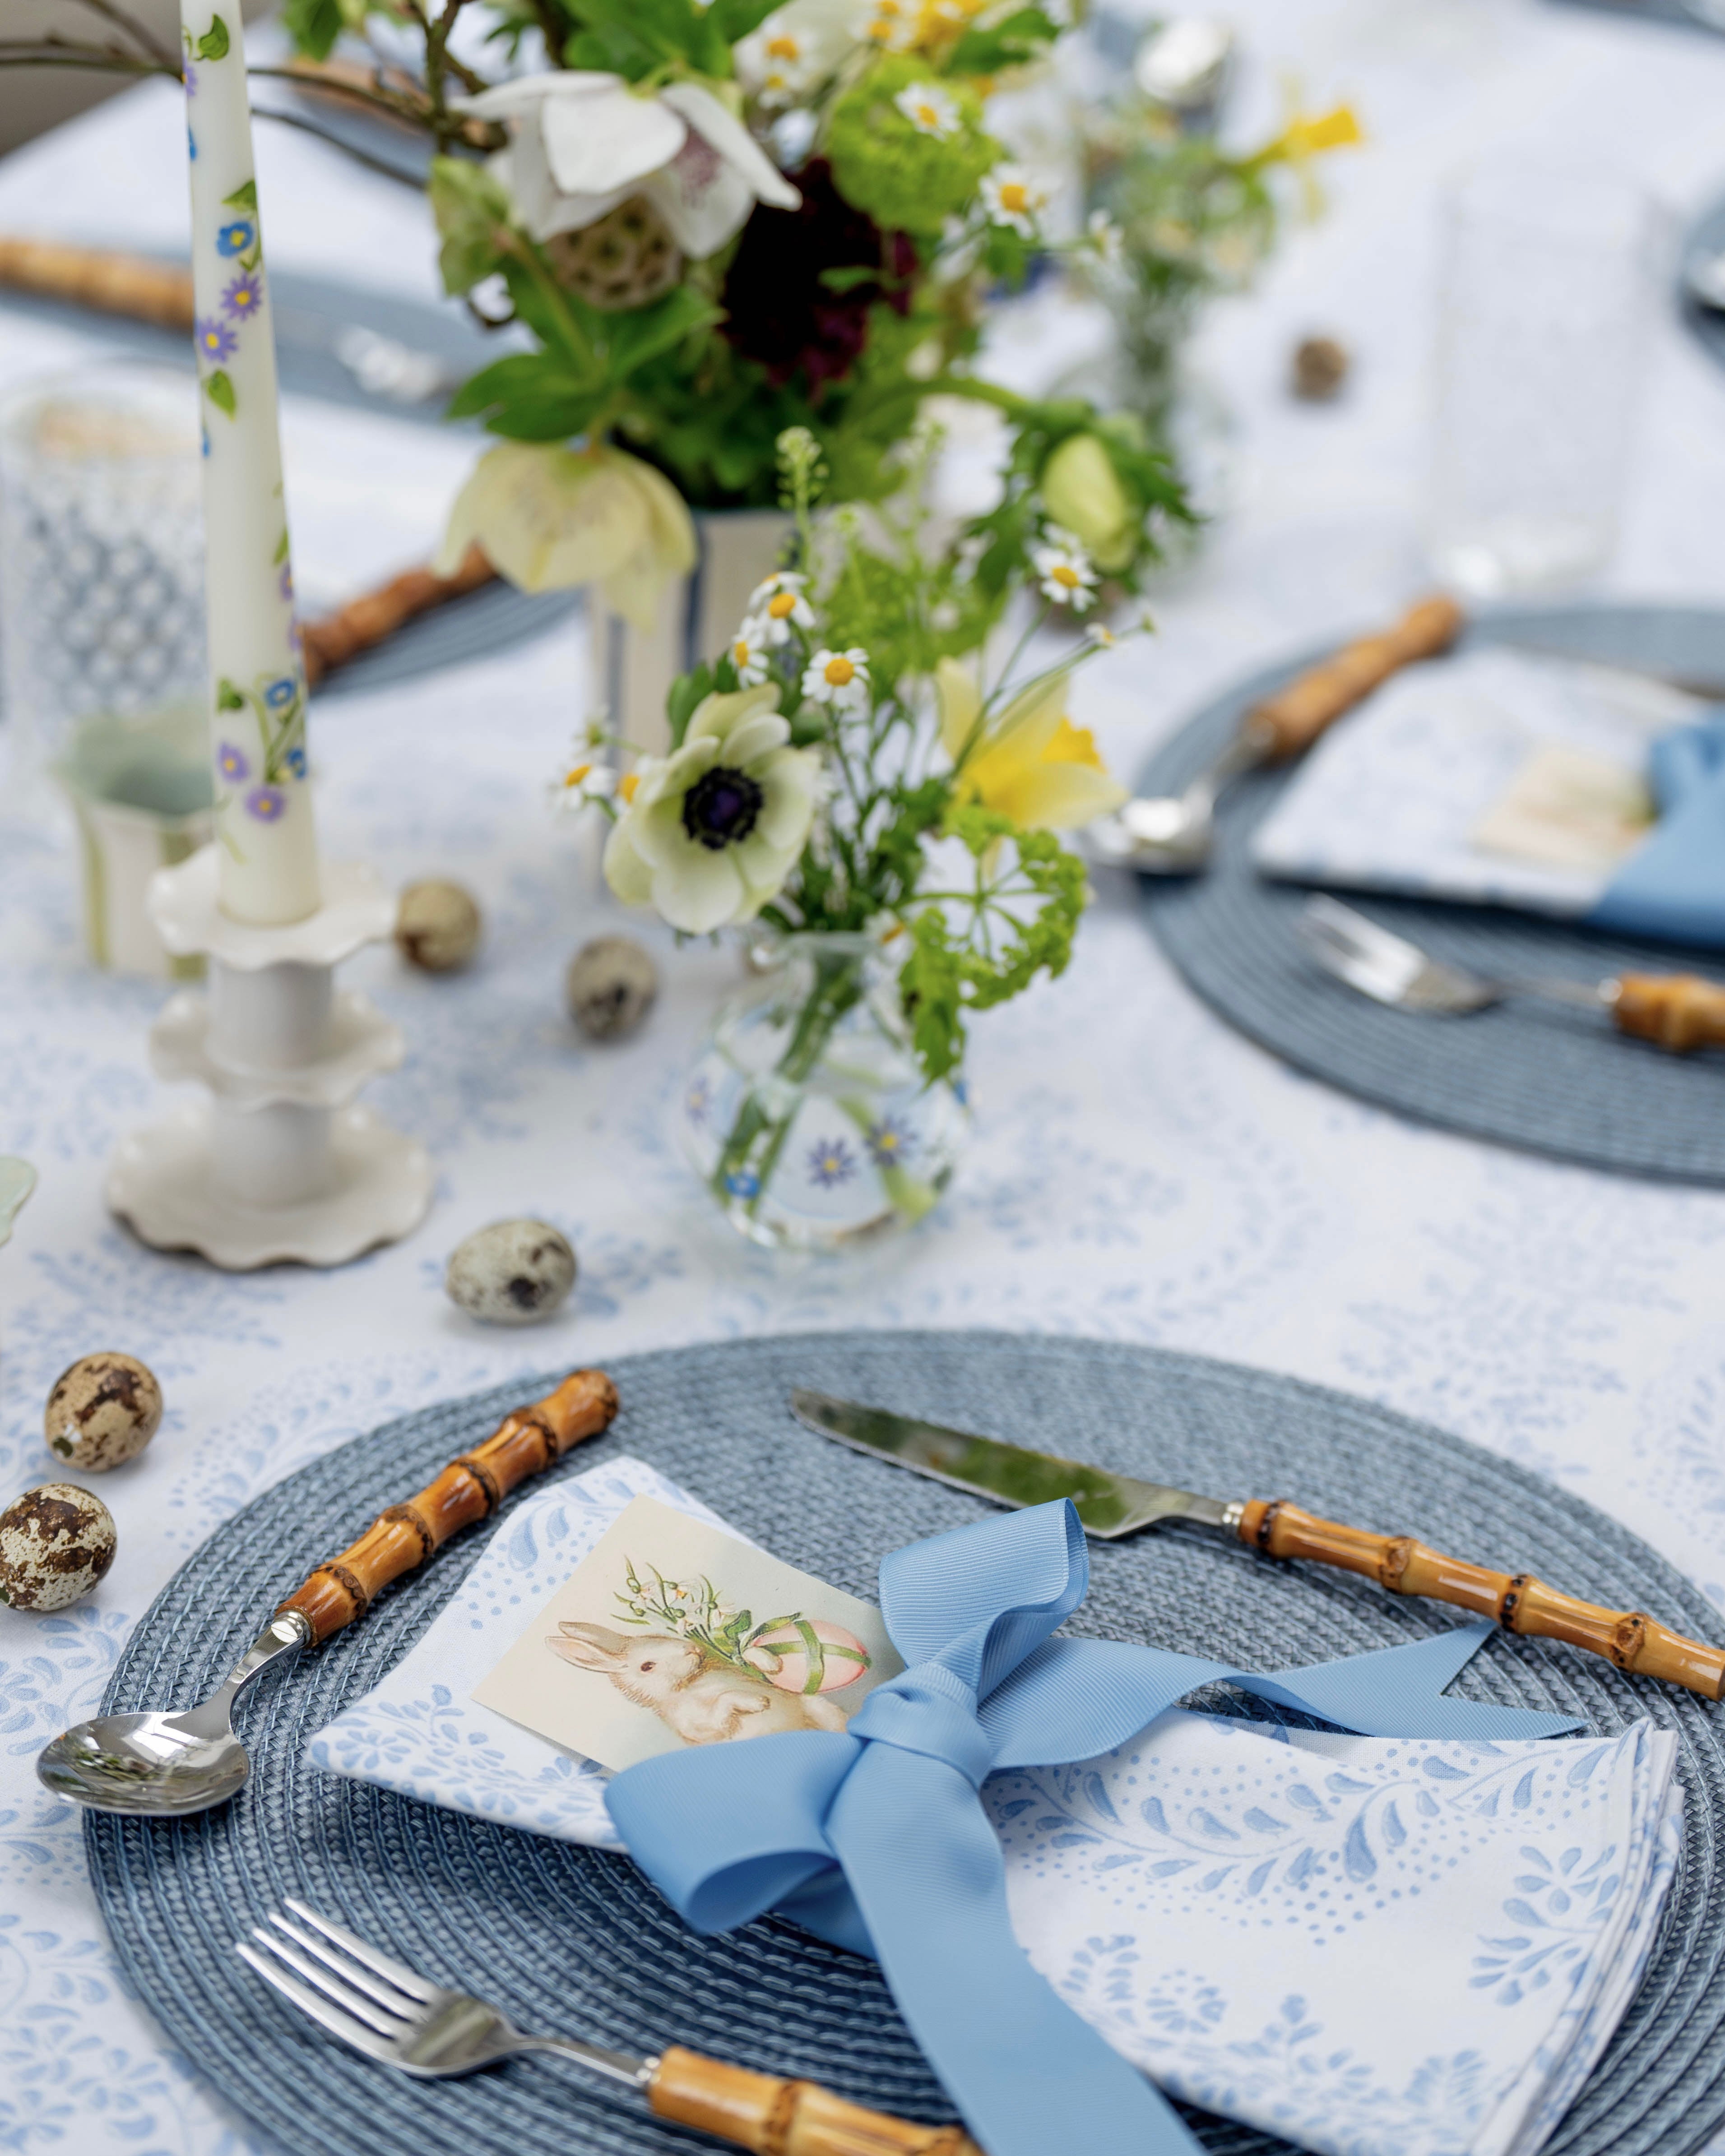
pixel 380 2007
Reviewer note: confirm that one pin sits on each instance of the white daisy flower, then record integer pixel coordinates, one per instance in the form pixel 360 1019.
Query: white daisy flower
pixel 583 782
pixel 750 654
pixel 778 612
pixel 1010 197
pixel 1108 242
pixel 930 110
pixel 838 679
pixel 891 25
pixel 713 829
pixel 1067 576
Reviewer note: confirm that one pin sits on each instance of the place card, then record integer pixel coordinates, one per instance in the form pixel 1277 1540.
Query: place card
pixel 1567 807
pixel 670 1633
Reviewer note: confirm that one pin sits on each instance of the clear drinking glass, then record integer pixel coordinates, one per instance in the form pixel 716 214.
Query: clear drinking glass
pixel 1546 293
pixel 101 552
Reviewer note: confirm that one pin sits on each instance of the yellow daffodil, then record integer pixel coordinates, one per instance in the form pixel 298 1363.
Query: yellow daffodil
pixel 551 517
pixel 1305 136
pixel 1030 764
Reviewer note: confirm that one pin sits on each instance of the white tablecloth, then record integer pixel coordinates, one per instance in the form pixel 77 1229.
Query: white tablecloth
pixel 1138 1171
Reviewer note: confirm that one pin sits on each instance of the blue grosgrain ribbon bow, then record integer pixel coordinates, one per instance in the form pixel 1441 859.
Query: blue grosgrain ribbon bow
pixel 876 1838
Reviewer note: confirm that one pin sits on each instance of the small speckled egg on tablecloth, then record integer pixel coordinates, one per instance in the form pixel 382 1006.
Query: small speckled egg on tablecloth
pixel 511 1273
pixel 102 1412
pixel 56 1544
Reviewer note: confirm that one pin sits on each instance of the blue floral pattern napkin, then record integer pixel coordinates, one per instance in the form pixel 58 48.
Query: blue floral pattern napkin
pixel 1371 1947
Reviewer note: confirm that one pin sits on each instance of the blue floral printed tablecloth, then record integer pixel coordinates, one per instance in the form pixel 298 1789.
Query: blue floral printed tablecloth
pixel 1137 1172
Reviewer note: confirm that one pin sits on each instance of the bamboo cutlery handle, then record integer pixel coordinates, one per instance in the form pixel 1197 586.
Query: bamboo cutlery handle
pixel 1629 1638
pixel 1678 1011
pixel 1291 719
pixel 777 2117
pixel 524 1443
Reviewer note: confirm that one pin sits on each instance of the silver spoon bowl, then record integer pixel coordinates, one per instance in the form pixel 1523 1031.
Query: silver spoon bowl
pixel 166 1766
pixel 1172 835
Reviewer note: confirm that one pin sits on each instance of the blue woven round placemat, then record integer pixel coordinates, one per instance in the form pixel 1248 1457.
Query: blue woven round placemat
pixel 1544 1078
pixel 575 1940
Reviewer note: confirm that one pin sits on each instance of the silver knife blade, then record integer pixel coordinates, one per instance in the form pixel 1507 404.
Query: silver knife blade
pixel 1108 1505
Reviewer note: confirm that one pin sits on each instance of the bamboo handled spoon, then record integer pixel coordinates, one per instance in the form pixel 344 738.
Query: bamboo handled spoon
pixel 168 1765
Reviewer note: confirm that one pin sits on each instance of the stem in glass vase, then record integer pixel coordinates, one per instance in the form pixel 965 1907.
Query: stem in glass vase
pixel 837 988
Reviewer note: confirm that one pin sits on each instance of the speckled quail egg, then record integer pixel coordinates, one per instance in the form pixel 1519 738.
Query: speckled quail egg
pixel 610 986
pixel 102 1412
pixel 513 1272
pixel 56 1543
pixel 437 926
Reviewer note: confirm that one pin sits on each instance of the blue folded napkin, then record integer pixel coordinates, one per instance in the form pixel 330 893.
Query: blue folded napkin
pixel 1672 887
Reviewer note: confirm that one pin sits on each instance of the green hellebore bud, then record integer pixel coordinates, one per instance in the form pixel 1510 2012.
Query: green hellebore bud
pixel 1081 492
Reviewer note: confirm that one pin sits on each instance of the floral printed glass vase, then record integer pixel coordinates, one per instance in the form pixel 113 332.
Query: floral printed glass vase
pixel 807 1114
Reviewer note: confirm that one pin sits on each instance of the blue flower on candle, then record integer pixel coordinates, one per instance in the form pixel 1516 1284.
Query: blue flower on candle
pixel 281 692
pixel 231 764
pixel 189 74
pixel 889 1142
pixel 287 582
pixel 741 1183
pixel 235 239
pixel 296 760
pixel 268 803
pixel 243 297
pixel 216 340
pixel 831 1162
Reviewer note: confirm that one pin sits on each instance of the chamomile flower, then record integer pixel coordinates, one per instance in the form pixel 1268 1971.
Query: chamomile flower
pixel 751 653
pixel 1011 198
pixel 839 680
pixel 1067 576
pixel 930 110
pixel 779 607
pixel 583 784
pixel 1106 239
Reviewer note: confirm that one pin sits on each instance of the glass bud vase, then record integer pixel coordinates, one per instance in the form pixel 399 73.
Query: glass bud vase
pixel 807 1114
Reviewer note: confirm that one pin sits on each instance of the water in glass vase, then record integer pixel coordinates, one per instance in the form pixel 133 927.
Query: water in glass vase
pixel 807 1114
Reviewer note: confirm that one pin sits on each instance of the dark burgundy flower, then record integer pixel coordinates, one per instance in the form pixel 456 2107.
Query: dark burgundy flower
pixel 781 311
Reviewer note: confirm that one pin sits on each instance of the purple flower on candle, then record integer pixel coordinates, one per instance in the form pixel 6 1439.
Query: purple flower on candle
pixel 296 760
pixel 281 692
pixel 268 803
pixel 287 582
pixel 231 764
pixel 216 342
pixel 235 239
pixel 188 75
pixel 243 297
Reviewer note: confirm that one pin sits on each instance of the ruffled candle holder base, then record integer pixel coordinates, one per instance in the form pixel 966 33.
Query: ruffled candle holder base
pixel 278 1164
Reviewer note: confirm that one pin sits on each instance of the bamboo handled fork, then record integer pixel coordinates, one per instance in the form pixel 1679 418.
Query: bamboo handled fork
pixel 386 2011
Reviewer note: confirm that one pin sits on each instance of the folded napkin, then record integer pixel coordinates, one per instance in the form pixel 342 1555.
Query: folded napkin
pixel 1410 1946
pixel 1423 790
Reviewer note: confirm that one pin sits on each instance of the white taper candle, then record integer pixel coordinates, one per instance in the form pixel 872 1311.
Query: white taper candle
pixel 269 851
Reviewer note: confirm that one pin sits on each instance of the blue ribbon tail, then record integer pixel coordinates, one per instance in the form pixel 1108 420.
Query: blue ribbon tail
pixel 1395 1693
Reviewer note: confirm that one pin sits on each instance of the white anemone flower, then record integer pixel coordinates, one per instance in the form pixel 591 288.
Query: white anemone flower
pixel 1068 577
pixel 751 653
pixel 714 828
pixel 930 110
pixel 1010 197
pixel 582 143
pixel 838 679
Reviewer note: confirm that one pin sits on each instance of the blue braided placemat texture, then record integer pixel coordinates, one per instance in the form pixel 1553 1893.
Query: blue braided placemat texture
pixel 576 1941
pixel 1544 1078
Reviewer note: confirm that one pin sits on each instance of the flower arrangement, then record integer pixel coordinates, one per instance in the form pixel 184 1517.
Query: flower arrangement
pixel 1193 221
pixel 845 776
pixel 717 222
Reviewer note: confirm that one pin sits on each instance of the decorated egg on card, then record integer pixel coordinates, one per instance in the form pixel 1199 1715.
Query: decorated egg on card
pixel 807 1653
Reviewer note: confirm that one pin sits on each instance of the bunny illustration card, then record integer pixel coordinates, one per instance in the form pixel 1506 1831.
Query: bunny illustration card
pixel 670 1632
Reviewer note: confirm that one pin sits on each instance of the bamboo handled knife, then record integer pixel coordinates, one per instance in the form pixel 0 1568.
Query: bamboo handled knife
pixel 1110 1506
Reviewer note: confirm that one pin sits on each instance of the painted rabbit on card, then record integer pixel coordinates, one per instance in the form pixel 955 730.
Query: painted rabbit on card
pixel 701 1702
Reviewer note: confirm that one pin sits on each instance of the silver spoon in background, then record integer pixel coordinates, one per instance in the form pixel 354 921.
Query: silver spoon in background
pixel 1184 65
pixel 1172 835
pixel 168 1765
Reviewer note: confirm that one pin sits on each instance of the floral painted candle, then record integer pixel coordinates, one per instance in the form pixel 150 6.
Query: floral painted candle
pixel 268 852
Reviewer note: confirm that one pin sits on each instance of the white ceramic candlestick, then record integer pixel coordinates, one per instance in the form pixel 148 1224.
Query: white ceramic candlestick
pixel 277 1162
pixel 268 860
